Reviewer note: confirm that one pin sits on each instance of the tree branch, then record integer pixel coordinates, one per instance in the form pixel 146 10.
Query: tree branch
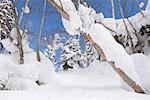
pixel 126 79
pixel 19 36
pixel 39 34
pixel 59 9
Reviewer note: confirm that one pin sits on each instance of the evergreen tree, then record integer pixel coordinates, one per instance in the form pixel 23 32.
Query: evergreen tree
pixel 72 56
pixel 7 21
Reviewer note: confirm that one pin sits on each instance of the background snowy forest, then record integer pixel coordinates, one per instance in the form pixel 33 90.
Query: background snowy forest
pixel 74 49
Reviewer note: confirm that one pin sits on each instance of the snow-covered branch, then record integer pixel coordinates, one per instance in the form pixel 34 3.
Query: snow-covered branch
pixel 115 60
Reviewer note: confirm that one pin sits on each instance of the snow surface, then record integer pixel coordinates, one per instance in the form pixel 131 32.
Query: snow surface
pixel 142 64
pixel 26 9
pixel 113 50
pixel 97 82
pixel 24 76
pixel 56 92
pixel 137 21
pixel 74 24
pixel 141 4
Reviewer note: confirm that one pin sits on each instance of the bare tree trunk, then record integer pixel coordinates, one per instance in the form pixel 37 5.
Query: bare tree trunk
pixel 113 9
pixel 27 18
pixel 113 14
pixel 139 8
pixel 126 79
pixel 122 15
pixel 59 9
pixel 119 71
pixel 22 12
pixel 19 36
pixel 39 34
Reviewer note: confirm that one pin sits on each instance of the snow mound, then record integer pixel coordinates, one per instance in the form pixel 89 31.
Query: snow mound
pixel 24 76
pixel 113 50
pixel 26 9
pixel 142 67
pixel 98 74
pixel 73 24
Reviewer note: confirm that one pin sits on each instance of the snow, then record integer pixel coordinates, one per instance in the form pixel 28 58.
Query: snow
pixel 26 9
pixel 26 74
pixel 86 77
pixel 98 81
pixel 148 5
pixel 142 64
pixel 111 24
pixel 113 50
pixel 58 92
pixel 141 4
pixel 67 5
pixel 74 24
pixel 137 21
pixel 74 93
pixel 86 15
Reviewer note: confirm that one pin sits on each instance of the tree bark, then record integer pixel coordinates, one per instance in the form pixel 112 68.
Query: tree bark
pixel 112 9
pixel 39 34
pixel 59 9
pixel 113 14
pixel 126 79
pixel 22 12
pixel 19 36
pixel 139 8
pixel 122 15
pixel 137 88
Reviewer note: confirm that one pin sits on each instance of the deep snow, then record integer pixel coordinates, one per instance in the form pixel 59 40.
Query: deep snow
pixel 97 82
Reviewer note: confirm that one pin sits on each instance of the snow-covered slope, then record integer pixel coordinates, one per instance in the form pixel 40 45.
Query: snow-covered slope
pixel 94 83
pixel 142 67
pixel 56 92
pixel 101 36
pixel 24 76
pixel 97 82
pixel 112 50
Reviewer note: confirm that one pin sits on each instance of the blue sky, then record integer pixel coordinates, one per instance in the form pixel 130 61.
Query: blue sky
pixel 53 21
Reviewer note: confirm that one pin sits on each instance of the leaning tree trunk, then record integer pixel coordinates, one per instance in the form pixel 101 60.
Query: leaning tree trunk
pixel 39 34
pixel 22 12
pixel 139 8
pixel 122 15
pixel 119 71
pixel 126 79
pixel 19 36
